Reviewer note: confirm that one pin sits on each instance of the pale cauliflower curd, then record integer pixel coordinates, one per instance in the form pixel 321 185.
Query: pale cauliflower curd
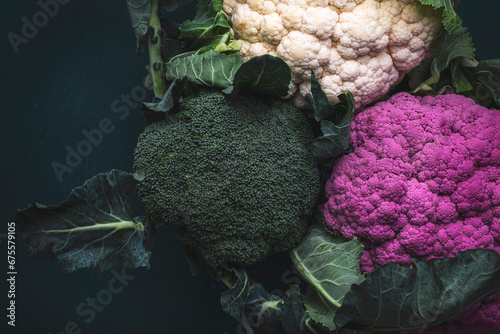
pixel 361 46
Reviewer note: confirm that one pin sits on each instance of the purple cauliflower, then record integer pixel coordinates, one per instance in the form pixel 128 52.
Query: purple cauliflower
pixel 423 182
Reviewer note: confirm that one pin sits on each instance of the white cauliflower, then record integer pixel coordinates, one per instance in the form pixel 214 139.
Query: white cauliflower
pixel 364 46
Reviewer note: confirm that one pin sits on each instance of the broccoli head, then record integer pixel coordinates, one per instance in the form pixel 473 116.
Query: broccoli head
pixel 234 178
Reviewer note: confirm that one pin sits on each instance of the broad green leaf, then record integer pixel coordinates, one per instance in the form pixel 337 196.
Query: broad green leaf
pixel 209 27
pixel 92 228
pixel 211 68
pixel 448 47
pixel 157 111
pixel 265 74
pixel 395 298
pixel 450 19
pixel 335 123
pixel 331 265
pixel 319 309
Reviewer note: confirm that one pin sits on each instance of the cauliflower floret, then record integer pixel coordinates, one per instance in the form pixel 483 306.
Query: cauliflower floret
pixel 345 5
pixel 327 36
pixel 363 31
pixel 291 16
pixel 264 7
pixel 304 52
pixel 273 24
pixel 247 23
pixel 319 21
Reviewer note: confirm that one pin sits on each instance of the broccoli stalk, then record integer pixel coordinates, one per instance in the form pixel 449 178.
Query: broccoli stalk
pixel 157 64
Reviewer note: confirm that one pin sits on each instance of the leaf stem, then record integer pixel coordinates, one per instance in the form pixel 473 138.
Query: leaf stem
pixel 228 277
pixel 157 64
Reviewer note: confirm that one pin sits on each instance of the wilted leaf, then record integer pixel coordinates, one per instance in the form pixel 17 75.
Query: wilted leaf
pixel 259 310
pixel 92 228
pixel 140 13
pixel 157 111
pixel 335 123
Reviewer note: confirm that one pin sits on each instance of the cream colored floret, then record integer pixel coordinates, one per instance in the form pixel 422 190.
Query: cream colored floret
pixel 364 46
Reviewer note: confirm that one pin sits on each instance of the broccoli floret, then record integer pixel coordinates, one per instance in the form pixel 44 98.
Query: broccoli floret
pixel 234 178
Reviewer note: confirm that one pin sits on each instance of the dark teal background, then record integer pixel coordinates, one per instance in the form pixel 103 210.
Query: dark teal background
pixel 62 82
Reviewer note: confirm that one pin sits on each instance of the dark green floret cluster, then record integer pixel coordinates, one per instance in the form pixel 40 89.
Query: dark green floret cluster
pixel 234 178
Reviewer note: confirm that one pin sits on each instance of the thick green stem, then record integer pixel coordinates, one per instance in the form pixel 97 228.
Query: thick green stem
pixel 157 65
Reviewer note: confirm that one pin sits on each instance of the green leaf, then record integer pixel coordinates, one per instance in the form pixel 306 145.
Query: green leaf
pixel 92 228
pixel 211 68
pixel 292 314
pixel 319 308
pixel 454 65
pixel 140 14
pixel 452 50
pixel 448 47
pixel 450 19
pixel 170 44
pixel 157 111
pixel 453 54
pixel 335 123
pixel 209 27
pixel 487 74
pixel 459 78
pixel 331 265
pixel 140 17
pixel 247 300
pixel 395 298
pixel 265 74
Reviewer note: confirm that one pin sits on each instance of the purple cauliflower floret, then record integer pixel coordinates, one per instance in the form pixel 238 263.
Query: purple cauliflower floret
pixel 423 182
